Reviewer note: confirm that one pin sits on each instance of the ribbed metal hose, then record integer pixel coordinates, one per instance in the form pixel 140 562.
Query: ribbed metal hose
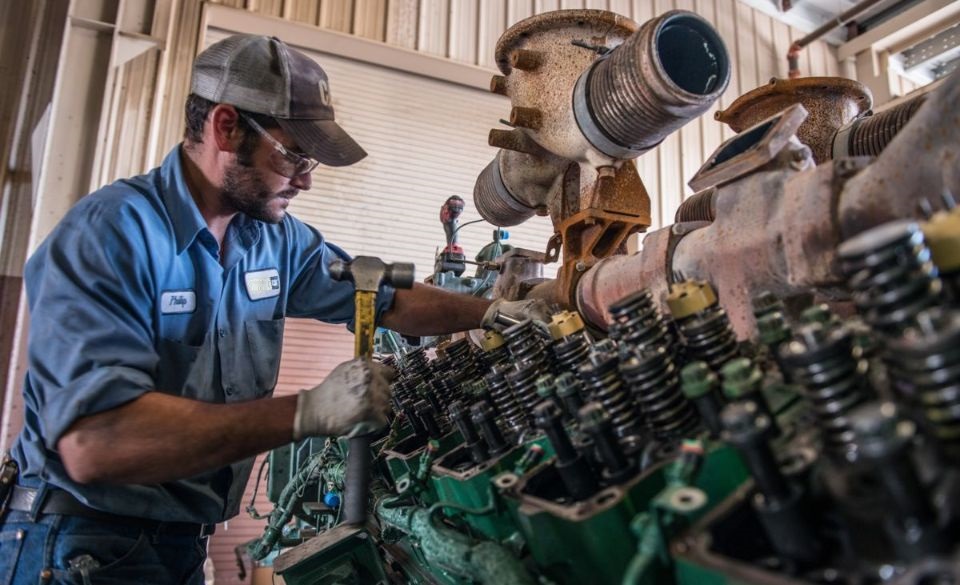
pixel 494 201
pixel 868 136
pixel 698 207
pixel 666 74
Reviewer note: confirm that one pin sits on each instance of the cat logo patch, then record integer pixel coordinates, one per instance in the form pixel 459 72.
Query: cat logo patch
pixel 262 284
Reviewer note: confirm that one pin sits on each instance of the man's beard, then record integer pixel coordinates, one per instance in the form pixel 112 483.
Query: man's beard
pixel 245 191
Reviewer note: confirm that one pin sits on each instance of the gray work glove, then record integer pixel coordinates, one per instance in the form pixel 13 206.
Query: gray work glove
pixel 353 400
pixel 503 313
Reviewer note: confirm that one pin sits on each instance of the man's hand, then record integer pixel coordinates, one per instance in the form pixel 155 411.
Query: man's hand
pixel 503 313
pixel 353 400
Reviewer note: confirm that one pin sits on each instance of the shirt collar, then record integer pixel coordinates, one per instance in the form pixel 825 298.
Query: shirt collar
pixel 186 218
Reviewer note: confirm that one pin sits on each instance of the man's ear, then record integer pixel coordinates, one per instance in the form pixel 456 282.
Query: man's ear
pixel 224 124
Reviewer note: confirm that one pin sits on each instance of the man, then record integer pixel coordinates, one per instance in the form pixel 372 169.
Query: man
pixel 157 310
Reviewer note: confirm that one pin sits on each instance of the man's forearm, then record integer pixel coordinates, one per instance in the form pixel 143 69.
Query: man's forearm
pixel 158 438
pixel 428 310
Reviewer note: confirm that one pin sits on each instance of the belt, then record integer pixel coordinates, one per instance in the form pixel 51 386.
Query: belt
pixel 61 502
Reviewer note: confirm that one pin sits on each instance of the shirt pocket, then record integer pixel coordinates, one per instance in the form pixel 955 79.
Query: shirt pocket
pixel 264 340
pixel 176 362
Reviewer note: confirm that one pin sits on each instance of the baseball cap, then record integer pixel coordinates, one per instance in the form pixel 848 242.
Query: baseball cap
pixel 266 76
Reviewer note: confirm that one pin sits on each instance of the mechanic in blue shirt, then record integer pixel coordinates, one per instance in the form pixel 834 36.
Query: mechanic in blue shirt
pixel 157 309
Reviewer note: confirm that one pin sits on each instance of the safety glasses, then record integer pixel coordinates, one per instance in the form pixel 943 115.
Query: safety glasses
pixel 286 163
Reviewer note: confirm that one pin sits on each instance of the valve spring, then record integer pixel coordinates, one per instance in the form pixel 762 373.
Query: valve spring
pixel 891 274
pixel 525 343
pixel 570 352
pixel 709 337
pixel 637 322
pixel 461 356
pixel 403 392
pixel 508 408
pixel 523 381
pixel 416 362
pixel 487 360
pixel 654 381
pixel 390 361
pixel 448 390
pixel 602 381
pixel 925 368
pixel 425 391
pixel 820 358
pixel 766 303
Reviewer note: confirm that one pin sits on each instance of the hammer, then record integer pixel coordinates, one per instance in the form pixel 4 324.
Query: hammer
pixel 367 274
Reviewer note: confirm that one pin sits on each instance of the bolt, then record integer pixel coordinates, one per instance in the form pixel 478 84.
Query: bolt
pixel 699 385
pixel 482 415
pixel 546 388
pixel 498 85
pixel 526 117
pixel 573 470
pixel 748 430
pixel 526 60
pixel 580 266
pixel 740 378
pixel 595 422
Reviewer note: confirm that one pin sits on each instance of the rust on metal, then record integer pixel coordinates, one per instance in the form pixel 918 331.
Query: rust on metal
pixel 526 118
pixel 498 85
pixel 526 60
pixel 831 103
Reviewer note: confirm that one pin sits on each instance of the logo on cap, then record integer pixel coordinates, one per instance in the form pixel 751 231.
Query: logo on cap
pixel 324 92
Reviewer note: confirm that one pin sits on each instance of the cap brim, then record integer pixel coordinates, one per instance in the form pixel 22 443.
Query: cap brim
pixel 324 140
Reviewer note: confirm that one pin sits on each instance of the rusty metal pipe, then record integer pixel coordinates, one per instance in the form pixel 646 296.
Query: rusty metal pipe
pixel 793 55
pixel 666 74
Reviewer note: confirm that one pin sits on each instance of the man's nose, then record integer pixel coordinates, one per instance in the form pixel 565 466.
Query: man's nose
pixel 302 182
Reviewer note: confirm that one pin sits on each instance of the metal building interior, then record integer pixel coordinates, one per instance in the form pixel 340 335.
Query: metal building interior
pixel 741 214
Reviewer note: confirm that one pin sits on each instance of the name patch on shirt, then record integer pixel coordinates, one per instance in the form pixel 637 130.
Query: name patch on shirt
pixel 262 284
pixel 178 301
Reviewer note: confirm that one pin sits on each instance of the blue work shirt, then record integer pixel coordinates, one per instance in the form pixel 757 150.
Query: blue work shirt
pixel 129 295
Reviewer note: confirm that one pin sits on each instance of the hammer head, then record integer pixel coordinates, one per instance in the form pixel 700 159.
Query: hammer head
pixel 368 273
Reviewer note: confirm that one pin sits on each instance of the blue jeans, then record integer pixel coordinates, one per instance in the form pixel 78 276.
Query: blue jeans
pixel 78 551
